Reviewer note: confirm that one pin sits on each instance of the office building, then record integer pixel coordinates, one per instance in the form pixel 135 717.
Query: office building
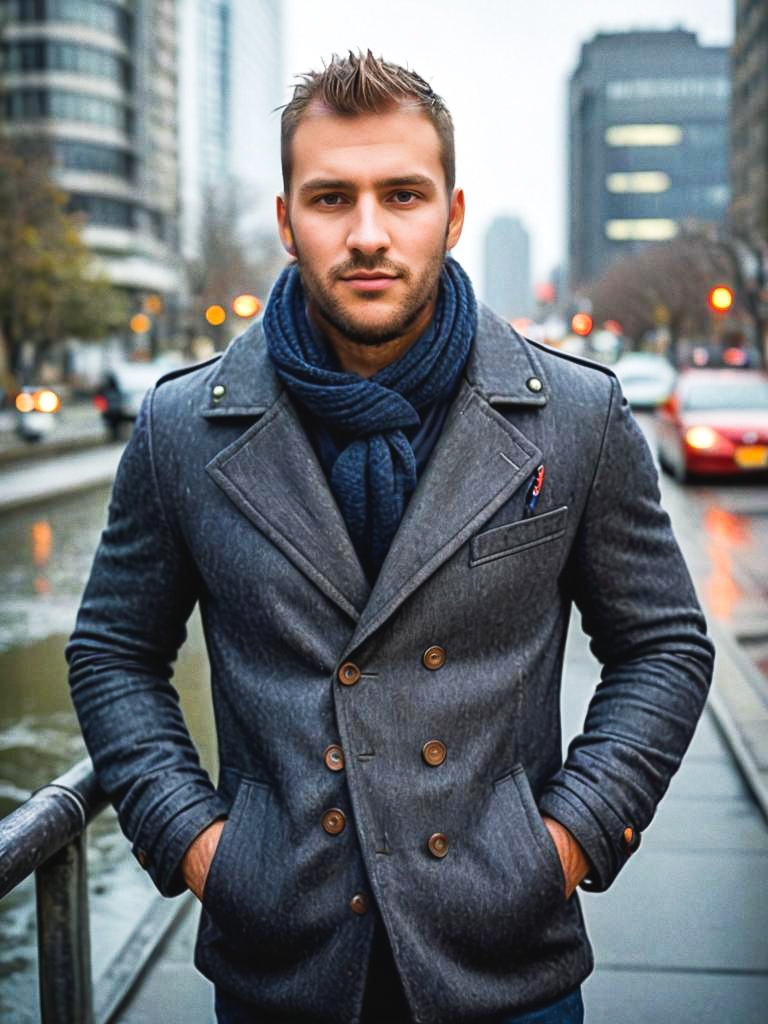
pixel 507 269
pixel 648 144
pixel 95 82
pixel 230 82
pixel 748 213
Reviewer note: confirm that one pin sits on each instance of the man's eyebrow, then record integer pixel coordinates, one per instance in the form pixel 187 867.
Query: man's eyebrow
pixel 321 184
pixel 403 181
pixel 400 181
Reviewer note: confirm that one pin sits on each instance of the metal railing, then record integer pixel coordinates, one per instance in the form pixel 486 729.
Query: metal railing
pixel 46 835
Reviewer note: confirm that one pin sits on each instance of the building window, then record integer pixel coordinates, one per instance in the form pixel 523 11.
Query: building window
pixel 668 88
pixel 99 14
pixel 50 55
pixel 99 210
pixel 32 104
pixel 648 229
pixel 638 181
pixel 96 159
pixel 643 135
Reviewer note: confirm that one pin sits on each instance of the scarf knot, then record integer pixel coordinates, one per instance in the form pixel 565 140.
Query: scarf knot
pixel 375 472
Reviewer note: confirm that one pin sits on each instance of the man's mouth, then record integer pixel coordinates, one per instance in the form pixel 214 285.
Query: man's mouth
pixel 369 280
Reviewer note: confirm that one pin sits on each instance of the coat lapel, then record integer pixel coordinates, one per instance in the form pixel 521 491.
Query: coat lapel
pixel 479 461
pixel 272 475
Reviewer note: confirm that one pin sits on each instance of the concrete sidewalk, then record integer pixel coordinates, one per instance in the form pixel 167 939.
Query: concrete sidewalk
pixel 679 939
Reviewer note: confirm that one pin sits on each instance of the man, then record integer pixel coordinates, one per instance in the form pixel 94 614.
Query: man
pixel 385 502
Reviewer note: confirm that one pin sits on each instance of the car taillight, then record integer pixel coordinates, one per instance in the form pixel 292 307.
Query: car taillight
pixel 100 403
pixel 701 437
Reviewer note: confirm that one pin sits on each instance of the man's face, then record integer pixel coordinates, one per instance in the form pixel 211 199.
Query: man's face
pixel 369 219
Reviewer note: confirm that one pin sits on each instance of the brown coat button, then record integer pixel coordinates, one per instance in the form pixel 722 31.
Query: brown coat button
pixel 334 821
pixel 141 857
pixel 359 903
pixel 434 752
pixel 438 845
pixel 628 835
pixel 433 658
pixel 334 757
pixel 349 673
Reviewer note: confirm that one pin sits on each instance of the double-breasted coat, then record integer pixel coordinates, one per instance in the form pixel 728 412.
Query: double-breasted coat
pixel 390 749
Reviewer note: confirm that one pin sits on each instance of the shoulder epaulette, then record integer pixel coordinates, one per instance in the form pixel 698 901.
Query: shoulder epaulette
pixel 592 364
pixel 181 371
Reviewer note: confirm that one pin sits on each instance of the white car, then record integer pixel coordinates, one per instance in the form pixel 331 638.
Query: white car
pixel 646 378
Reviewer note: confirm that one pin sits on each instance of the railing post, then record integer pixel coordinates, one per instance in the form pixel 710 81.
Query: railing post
pixel 63 935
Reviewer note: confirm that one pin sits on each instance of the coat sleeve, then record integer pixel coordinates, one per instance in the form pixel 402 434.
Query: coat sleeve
pixel 638 605
pixel 132 621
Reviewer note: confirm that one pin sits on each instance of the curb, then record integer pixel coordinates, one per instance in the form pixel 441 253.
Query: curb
pixel 35 487
pixel 52 493
pixel 736 701
pixel 35 452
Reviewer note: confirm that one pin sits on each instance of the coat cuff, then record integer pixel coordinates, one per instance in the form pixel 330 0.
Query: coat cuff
pixel 607 841
pixel 162 859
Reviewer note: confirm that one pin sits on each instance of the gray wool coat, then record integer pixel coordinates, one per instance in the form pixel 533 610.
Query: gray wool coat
pixel 220 500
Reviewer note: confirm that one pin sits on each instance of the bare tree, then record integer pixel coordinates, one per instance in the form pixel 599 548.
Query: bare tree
pixel 667 283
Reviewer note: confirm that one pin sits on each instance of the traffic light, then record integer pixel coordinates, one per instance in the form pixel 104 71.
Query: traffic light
pixel 720 298
pixel 581 324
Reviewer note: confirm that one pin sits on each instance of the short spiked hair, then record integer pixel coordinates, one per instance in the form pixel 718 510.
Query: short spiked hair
pixel 364 84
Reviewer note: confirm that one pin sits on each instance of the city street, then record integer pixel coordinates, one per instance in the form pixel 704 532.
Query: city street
pixel 710 827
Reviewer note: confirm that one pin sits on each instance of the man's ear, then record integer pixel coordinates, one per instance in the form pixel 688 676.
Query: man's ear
pixel 455 219
pixel 284 226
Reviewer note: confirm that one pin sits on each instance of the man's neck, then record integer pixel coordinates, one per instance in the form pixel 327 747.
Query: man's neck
pixel 367 360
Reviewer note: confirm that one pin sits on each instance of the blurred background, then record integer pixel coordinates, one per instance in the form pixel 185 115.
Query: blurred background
pixel 614 158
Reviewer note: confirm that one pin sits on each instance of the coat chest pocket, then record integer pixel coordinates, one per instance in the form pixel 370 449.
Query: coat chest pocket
pixel 519 536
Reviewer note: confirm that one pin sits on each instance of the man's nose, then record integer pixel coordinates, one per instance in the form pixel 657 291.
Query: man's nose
pixel 368 231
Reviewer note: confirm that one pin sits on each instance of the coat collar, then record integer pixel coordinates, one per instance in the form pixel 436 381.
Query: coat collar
pixel 273 476
pixel 502 368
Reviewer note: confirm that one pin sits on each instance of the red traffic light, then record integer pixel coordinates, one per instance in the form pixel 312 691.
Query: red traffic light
pixel 720 298
pixel 581 323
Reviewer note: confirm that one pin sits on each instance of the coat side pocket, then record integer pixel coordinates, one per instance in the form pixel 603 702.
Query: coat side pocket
pixel 248 803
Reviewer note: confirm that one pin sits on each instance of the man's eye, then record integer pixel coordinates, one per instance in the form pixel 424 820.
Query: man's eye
pixel 332 199
pixel 404 196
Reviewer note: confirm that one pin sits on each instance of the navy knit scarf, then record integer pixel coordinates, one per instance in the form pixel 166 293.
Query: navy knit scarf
pixel 375 472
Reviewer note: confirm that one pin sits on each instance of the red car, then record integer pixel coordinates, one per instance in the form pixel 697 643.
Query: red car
pixel 715 421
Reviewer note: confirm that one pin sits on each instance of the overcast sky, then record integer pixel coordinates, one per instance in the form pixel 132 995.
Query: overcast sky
pixel 502 67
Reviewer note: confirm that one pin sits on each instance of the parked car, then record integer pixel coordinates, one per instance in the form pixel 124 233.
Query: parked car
pixel 646 378
pixel 122 391
pixel 37 412
pixel 715 421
